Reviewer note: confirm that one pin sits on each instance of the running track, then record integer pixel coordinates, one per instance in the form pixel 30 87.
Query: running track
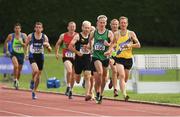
pixel 19 103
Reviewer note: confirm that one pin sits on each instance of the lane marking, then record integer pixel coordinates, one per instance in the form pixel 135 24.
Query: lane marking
pixel 69 110
pixel 13 113
pixel 53 108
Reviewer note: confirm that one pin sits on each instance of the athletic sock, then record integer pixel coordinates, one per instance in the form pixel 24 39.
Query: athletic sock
pixel 124 92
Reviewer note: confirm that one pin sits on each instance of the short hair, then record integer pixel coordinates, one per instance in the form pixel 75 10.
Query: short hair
pixel 113 21
pixel 101 16
pixel 123 17
pixel 17 24
pixel 39 23
pixel 86 22
pixel 71 22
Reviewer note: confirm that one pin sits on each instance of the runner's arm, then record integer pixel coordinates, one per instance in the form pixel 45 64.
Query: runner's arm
pixel 27 45
pixel 72 44
pixel 91 40
pixel 24 38
pixel 111 37
pixel 24 44
pixel 111 44
pixel 58 43
pixel 46 43
pixel 9 38
pixel 136 43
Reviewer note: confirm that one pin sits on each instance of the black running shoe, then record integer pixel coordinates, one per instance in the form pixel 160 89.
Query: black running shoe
pixel 100 99
pixel 70 95
pixel 16 84
pixel 67 91
pixel 97 98
pixel 126 98
pixel 115 93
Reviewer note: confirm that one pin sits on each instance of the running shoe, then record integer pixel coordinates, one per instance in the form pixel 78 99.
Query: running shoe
pixel 97 99
pixel 126 98
pixel 70 95
pixel 16 84
pixel 32 85
pixel 110 84
pixel 100 99
pixel 115 93
pixel 34 95
pixel 67 91
pixel 87 98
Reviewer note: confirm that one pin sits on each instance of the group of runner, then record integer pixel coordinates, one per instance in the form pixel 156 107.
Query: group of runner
pixel 90 52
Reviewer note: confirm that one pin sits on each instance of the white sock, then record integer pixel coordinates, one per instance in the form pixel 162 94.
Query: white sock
pixel 124 92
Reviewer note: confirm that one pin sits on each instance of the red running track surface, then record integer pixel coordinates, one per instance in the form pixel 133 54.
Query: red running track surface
pixel 19 103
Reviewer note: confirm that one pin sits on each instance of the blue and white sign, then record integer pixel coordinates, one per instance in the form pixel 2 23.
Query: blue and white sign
pixel 6 66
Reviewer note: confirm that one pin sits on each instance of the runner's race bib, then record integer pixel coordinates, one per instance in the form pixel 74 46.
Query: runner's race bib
pixel 99 46
pixel 18 48
pixel 69 54
pixel 36 50
pixel 84 51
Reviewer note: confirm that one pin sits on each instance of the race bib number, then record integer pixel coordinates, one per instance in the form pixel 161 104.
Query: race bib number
pixel 38 50
pixel 17 48
pixel 84 51
pixel 69 54
pixel 99 46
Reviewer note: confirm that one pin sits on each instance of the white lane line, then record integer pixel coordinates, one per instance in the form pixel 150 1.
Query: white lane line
pixel 133 110
pixel 53 108
pixel 14 113
pixel 122 109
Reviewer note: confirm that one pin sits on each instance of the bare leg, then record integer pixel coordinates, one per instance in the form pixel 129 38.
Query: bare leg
pixel 104 79
pixel 121 76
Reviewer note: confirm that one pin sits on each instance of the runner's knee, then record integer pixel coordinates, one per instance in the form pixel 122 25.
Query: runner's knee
pixel 69 72
pixel 121 76
pixel 16 66
pixel 99 73
pixel 114 71
pixel 87 75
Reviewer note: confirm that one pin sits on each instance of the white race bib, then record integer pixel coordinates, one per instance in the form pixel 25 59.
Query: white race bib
pixel 36 50
pixel 83 51
pixel 69 54
pixel 99 46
